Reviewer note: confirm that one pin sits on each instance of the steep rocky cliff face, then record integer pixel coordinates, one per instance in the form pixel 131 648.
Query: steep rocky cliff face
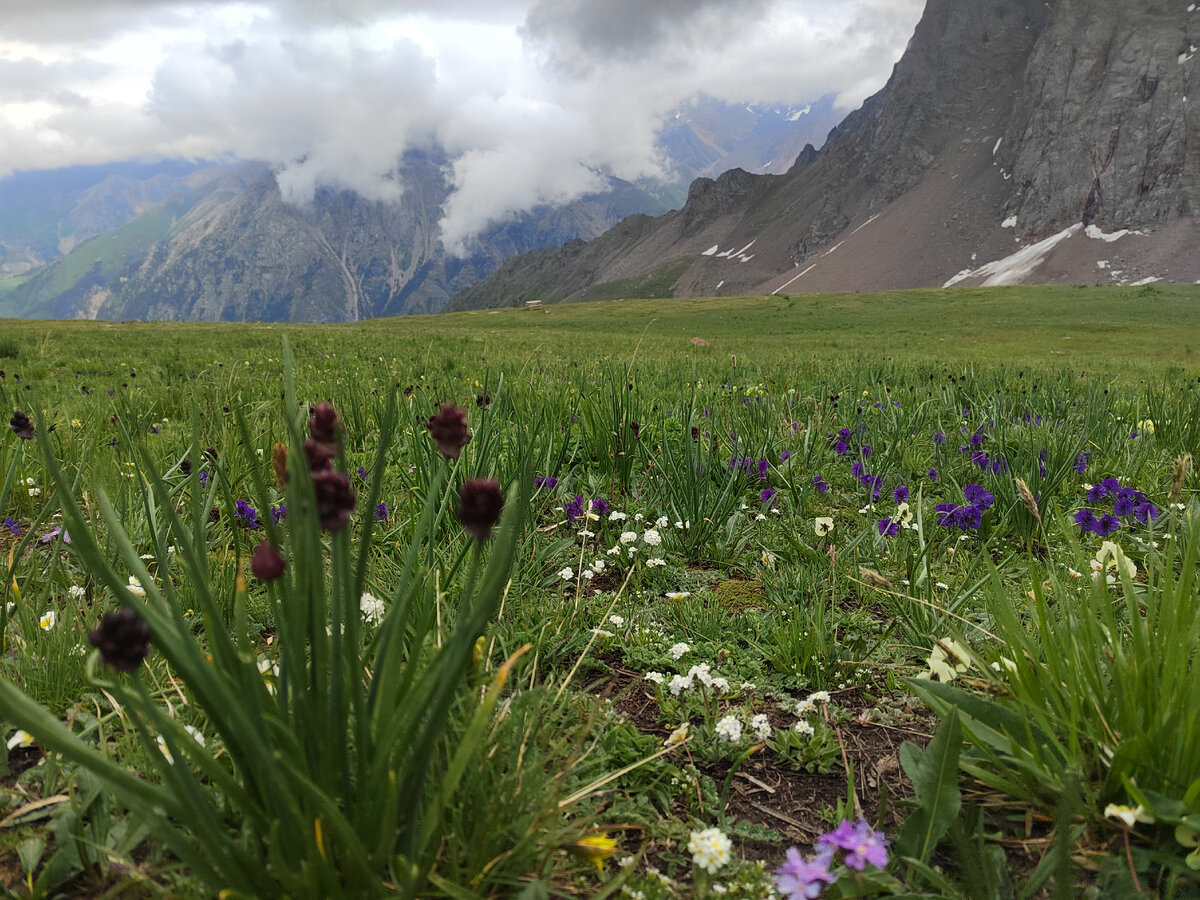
pixel 1006 122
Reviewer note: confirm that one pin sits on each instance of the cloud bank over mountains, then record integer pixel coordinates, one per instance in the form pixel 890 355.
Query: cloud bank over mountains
pixel 535 101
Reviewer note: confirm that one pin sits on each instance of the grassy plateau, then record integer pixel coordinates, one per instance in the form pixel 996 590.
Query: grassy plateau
pixel 883 595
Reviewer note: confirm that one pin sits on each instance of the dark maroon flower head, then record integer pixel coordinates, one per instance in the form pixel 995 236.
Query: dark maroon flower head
pixel 335 498
pixel 185 467
pixel 319 455
pixel 479 505
pixel 636 429
pixel 325 425
pixel 211 452
pixel 123 639
pixel 449 430
pixel 21 425
pixel 214 515
pixel 266 562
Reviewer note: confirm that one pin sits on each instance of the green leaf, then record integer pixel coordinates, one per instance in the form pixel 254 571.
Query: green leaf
pixel 934 774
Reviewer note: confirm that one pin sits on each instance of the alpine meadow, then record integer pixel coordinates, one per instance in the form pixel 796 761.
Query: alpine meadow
pixel 645 598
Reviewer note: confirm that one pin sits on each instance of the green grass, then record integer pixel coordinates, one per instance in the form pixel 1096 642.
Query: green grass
pixel 614 402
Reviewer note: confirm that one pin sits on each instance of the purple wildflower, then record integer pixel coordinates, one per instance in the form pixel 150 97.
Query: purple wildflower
pixel 574 509
pixel 979 496
pixel 549 482
pixel 1081 463
pixel 888 527
pixel 968 518
pixel 858 470
pixel 278 513
pixel 600 506
pixel 783 456
pixel 381 512
pixel 862 844
pixel 13 525
pixel 939 437
pixel 203 479
pixel 819 484
pixel 900 494
pixel 933 474
pixel 801 878
pixel 867 451
pixel 247 516
pixel 763 465
pixel 767 496
pixel 1086 519
pixel 1107 524
pixel 362 473
pixel 1146 512
pixel 841 448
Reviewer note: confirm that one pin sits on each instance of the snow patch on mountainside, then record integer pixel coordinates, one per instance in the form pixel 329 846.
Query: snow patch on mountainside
pixel 1012 269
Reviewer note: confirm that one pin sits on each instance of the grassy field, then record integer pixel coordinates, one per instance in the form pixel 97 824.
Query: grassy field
pixel 856 596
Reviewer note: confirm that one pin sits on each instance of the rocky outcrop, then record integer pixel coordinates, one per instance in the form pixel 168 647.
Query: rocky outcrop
pixel 1005 122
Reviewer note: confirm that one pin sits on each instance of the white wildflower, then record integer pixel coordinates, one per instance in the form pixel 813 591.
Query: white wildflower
pixel 677 650
pixel 656 677
pixel 679 684
pixel 567 574
pixel 803 728
pixel 677 595
pixel 710 849
pixel 617 620
pixel 730 729
pixel 135 587
pixel 761 726
pixel 20 739
pixel 371 608
pixel 655 561
pixel 628 537
pixel 617 516
pixel 652 537
pixel 48 620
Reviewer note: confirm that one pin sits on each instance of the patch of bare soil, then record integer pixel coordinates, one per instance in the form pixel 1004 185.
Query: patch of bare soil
pixel 774 796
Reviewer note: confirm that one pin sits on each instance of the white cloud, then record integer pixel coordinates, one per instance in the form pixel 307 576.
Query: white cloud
pixel 535 100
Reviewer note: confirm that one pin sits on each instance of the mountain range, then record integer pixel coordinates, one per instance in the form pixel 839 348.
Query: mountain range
pixel 1016 140
pixel 217 242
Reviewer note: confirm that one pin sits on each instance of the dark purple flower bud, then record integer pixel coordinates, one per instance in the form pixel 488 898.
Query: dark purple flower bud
pixel 1081 463
pixel 214 515
pixel 211 453
pixel 335 498
pixel 933 474
pixel 123 639
pixel 480 502
pixel 483 400
pixel 266 562
pixel 185 467
pixel 21 426
pixel 636 429
pixel 319 455
pixel 325 425
pixel 381 512
pixel 449 430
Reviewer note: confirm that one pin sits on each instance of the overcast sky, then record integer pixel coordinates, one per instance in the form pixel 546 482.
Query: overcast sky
pixel 532 98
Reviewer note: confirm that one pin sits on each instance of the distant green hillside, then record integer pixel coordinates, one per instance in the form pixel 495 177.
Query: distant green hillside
pixel 57 290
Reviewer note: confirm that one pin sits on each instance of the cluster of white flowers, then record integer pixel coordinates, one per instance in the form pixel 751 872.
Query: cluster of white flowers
pixel 372 609
pixel 677 650
pixel 710 849
pixel 730 729
pixel 761 726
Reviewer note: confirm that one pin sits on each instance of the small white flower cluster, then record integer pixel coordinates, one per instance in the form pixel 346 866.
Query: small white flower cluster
pixel 372 609
pixel 711 849
pixel 808 707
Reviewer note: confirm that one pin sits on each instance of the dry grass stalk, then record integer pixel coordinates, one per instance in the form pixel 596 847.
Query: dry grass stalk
pixel 1180 474
pixel 1027 498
